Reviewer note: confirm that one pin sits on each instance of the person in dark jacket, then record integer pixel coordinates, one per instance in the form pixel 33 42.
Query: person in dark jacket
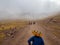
pixel 36 39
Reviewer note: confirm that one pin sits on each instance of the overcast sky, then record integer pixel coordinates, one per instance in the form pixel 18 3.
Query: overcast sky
pixel 27 9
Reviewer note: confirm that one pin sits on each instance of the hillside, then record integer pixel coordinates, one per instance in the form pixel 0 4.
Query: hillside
pixel 52 27
pixel 18 32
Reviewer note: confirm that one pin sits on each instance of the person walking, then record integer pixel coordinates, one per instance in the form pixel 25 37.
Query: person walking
pixel 36 39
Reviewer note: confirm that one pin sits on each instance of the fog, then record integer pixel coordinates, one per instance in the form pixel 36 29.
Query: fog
pixel 28 9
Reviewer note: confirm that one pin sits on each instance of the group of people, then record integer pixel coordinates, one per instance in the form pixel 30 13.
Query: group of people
pixel 36 39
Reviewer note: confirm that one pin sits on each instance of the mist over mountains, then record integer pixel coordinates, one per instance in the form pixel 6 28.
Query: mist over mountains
pixel 28 9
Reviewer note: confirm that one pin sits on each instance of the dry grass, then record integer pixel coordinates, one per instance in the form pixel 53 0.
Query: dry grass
pixel 52 24
pixel 9 28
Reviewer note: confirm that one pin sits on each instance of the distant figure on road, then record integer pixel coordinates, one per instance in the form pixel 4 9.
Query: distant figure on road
pixel 36 39
pixel 31 23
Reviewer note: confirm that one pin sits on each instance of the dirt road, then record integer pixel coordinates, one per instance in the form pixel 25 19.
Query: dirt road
pixel 23 35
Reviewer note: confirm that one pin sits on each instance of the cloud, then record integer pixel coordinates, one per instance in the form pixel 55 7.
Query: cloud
pixel 27 9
